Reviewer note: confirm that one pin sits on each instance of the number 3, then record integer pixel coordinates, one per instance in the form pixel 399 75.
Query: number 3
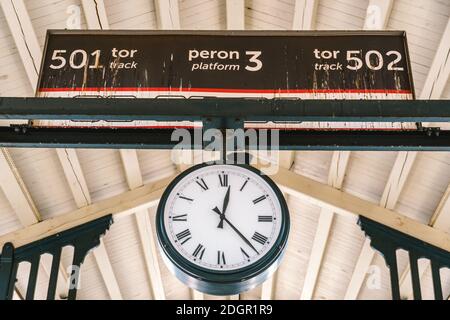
pixel 254 59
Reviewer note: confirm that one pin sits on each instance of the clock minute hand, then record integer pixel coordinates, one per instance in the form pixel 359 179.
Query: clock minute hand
pixel 224 208
pixel 216 210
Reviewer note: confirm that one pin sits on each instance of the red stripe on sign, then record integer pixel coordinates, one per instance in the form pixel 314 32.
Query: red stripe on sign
pixel 219 90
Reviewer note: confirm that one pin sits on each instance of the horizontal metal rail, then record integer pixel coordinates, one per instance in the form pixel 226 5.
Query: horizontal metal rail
pixel 162 139
pixel 125 109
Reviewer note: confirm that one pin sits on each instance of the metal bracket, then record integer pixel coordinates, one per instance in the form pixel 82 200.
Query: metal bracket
pixel 387 241
pixel 83 238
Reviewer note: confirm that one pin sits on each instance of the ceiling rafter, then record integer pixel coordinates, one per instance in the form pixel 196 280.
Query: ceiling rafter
pixel 119 206
pixel 305 14
pixel 439 72
pixel 95 14
pixel 24 36
pixel 393 188
pixel 235 14
pixel 77 182
pixel 346 204
pixel 168 14
pixel 134 177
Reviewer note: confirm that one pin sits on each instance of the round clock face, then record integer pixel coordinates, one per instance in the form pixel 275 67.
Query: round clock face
pixel 223 217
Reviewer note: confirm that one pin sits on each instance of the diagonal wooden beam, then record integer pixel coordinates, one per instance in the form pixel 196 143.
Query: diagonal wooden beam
pixel 16 192
pixel 119 206
pixel 346 204
pixel 168 14
pixel 77 182
pixel 394 186
pixel 317 253
pixel 134 177
pixel 439 72
pixel 74 176
pixel 305 14
pixel 95 14
pixel 292 183
pixel 24 37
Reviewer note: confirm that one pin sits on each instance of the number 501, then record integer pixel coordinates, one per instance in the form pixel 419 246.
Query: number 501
pixel 77 59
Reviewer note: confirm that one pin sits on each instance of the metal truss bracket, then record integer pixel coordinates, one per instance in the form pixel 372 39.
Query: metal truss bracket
pixel 387 241
pixel 82 238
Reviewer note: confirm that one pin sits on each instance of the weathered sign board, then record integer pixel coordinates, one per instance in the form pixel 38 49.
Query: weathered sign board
pixel 185 64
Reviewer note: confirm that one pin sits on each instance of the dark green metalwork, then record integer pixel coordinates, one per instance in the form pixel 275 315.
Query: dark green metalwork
pixel 225 113
pixel 83 238
pixel 126 109
pixel 387 241
pixel 412 140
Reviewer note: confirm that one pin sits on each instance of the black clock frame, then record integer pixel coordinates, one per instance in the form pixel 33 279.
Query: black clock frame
pixel 227 281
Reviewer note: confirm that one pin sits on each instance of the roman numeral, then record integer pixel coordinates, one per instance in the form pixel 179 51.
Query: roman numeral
pixel 223 180
pixel 245 254
pixel 265 218
pixel 259 199
pixel 184 234
pixel 181 217
pixel 199 250
pixel 202 184
pixel 186 198
pixel 243 186
pixel 258 237
pixel 221 257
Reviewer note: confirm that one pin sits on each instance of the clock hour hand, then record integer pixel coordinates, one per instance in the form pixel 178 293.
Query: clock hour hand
pixel 224 208
pixel 216 210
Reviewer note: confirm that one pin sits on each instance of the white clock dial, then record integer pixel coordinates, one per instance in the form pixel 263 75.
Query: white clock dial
pixel 222 217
